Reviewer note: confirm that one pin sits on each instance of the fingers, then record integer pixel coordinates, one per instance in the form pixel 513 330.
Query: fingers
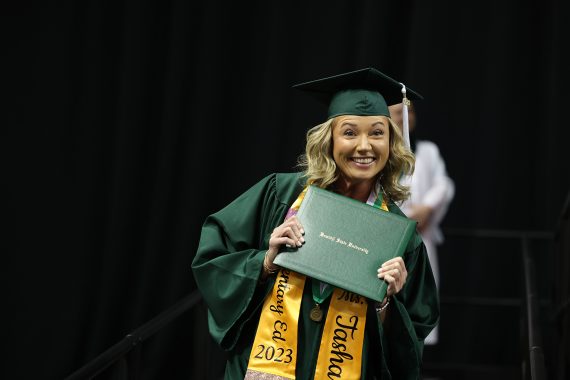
pixel 396 260
pixel 293 228
pixel 394 273
pixel 296 221
pixel 285 240
pixel 295 225
pixel 395 284
pixel 289 233
pixel 294 234
pixel 395 266
pixel 392 285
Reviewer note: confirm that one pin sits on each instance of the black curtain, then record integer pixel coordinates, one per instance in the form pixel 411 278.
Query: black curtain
pixel 128 122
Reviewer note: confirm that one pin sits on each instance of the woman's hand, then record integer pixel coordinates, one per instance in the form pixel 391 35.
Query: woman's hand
pixel 394 273
pixel 289 233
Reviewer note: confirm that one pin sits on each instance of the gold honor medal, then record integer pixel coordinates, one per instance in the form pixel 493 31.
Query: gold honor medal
pixel 316 313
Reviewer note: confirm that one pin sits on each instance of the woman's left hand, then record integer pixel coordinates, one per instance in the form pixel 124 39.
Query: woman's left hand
pixel 394 273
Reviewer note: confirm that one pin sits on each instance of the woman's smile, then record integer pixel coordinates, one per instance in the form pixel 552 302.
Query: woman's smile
pixel 363 161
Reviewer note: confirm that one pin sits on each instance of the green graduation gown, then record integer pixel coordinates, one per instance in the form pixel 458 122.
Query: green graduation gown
pixel 227 269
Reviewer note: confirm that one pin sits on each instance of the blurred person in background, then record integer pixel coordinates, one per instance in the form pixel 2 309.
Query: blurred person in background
pixel 431 192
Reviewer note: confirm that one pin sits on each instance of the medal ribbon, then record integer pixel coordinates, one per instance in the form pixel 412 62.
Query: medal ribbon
pixel 274 352
pixel 318 295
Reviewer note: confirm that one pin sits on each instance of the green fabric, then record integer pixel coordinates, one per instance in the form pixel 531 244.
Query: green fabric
pixel 369 90
pixel 319 296
pixel 358 102
pixel 228 264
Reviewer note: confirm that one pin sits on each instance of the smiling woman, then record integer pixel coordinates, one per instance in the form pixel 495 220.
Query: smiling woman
pixel 361 147
pixel 271 320
pixel 353 152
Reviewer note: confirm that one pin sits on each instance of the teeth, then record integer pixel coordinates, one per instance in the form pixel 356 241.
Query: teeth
pixel 363 160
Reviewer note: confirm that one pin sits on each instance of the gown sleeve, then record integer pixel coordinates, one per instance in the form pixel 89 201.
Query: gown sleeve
pixel 413 314
pixel 228 262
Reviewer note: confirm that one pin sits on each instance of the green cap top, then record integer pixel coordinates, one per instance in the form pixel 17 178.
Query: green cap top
pixel 364 92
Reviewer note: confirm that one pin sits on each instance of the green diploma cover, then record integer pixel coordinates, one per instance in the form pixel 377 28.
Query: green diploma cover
pixel 346 241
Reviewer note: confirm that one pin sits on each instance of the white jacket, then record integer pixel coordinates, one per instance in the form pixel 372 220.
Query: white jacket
pixel 431 186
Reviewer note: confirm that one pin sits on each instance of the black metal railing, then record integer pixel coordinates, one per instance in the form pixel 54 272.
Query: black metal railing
pixel 532 361
pixel 117 354
pixel 561 355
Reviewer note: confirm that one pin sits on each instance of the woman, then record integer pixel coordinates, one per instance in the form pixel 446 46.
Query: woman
pixel 359 153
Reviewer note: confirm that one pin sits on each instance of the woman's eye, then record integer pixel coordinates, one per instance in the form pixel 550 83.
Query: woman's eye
pixel 348 132
pixel 378 132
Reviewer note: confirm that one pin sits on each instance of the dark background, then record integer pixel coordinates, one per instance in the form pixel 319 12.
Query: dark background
pixel 128 122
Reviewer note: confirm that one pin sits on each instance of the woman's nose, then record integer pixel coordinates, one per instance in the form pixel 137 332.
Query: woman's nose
pixel 363 143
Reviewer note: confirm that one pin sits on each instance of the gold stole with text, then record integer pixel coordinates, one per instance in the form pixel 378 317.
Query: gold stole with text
pixel 274 352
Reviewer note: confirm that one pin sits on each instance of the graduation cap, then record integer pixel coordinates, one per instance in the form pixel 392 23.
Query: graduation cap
pixel 364 92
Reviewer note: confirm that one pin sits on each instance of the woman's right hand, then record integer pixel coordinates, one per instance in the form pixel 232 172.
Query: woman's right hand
pixel 290 233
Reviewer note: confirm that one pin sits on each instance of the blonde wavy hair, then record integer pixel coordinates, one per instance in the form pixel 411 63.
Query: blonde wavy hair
pixel 319 167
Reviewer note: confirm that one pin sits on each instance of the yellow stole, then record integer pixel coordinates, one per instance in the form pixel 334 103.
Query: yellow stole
pixel 274 352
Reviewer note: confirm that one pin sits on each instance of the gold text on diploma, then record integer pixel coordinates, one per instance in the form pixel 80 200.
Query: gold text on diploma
pixel 349 244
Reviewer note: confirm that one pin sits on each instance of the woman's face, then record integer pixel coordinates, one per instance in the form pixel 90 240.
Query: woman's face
pixel 361 146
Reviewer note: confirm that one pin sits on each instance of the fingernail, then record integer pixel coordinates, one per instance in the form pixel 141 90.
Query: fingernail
pixel 303 231
pixel 302 239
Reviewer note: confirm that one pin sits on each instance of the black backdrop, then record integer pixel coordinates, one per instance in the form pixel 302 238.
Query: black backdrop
pixel 129 122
